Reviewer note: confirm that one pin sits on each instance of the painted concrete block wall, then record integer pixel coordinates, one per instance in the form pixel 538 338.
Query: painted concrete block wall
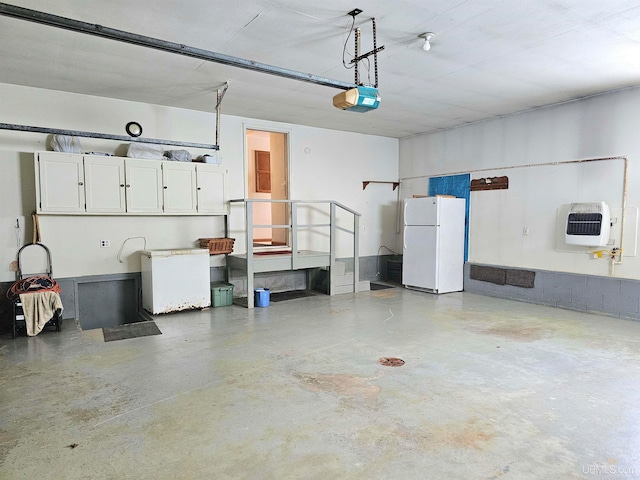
pixel 333 169
pixel 599 126
pixel 616 297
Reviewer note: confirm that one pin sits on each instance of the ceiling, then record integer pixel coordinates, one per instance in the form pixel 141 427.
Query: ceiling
pixel 488 57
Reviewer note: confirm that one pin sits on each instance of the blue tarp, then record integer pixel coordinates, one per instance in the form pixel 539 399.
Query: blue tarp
pixel 458 186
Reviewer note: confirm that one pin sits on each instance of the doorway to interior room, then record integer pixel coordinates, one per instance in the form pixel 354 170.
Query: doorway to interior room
pixel 268 179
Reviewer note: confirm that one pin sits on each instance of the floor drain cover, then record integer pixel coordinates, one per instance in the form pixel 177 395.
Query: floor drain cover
pixel 391 362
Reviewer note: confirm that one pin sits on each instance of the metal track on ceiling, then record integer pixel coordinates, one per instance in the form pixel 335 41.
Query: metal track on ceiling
pixel 163 45
pixel 105 136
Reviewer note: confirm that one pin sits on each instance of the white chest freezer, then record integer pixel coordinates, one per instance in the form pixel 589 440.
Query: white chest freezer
pixel 174 280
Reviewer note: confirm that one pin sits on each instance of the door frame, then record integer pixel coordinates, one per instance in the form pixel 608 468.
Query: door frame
pixel 269 128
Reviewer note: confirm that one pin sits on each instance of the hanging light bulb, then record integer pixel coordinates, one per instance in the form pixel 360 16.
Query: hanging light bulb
pixel 427 40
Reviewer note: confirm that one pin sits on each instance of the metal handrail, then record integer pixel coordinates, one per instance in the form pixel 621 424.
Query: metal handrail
pixel 293 228
pixel 262 200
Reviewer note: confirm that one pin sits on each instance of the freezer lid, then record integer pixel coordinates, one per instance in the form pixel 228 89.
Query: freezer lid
pixel 179 251
pixel 421 211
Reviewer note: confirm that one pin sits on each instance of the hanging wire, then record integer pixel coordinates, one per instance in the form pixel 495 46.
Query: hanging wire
pixel 344 48
pixel 368 67
pixel 119 256
pixel 378 257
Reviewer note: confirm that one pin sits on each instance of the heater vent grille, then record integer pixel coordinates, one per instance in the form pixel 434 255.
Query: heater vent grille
pixel 584 224
pixel 588 224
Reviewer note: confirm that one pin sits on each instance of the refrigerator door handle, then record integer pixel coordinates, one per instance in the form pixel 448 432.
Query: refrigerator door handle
pixel 404 213
pixel 404 238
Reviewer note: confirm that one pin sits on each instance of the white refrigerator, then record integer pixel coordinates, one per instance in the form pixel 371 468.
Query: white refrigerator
pixel 433 244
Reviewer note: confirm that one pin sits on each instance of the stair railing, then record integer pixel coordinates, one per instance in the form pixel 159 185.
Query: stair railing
pixel 292 226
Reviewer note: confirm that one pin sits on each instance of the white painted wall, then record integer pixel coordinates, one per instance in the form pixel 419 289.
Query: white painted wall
pixel 333 168
pixel 602 126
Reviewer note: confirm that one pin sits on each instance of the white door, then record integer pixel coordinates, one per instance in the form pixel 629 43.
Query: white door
pixel 61 182
pixel 419 257
pixel 451 254
pixel 104 184
pixel 179 187
pixel 143 186
pixel 212 195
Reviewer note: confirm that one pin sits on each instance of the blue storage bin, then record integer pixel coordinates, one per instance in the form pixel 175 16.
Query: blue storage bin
pixel 262 296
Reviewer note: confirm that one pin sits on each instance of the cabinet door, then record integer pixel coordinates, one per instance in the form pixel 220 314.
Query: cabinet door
pixel 61 185
pixel 104 184
pixel 143 186
pixel 179 187
pixel 212 194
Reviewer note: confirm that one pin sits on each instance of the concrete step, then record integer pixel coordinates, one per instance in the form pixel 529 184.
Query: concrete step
pixel 363 286
pixel 346 279
pixel 339 269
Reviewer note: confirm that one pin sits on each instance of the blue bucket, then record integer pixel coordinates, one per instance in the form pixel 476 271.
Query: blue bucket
pixel 262 297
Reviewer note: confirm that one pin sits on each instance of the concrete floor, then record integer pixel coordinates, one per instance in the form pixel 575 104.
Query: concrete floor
pixel 491 389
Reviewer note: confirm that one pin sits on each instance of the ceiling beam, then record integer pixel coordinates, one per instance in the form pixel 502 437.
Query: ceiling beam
pixel 163 45
pixel 105 136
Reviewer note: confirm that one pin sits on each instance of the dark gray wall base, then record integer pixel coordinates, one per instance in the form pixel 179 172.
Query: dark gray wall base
pixel 107 303
pixel 274 281
pixel 112 298
pixel 81 295
pixel 615 297
pixel 107 300
pixel 97 300
pixel 371 268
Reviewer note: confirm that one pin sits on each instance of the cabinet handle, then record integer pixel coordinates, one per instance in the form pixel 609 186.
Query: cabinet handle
pixel 122 184
pixel 80 183
pixel 128 185
pixel 199 188
pixel 165 187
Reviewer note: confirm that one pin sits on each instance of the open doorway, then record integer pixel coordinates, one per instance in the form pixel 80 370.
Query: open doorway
pixel 268 179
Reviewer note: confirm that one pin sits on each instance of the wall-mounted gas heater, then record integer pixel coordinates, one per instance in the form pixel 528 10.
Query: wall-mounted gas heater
pixel 588 224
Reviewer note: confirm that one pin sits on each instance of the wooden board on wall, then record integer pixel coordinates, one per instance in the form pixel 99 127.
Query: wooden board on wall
pixel 490 183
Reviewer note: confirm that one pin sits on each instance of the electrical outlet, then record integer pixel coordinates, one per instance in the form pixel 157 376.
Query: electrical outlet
pixel 105 243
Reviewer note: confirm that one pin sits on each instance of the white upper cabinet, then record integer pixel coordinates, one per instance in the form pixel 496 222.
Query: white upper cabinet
pixel 211 189
pixel 60 183
pixel 143 185
pixel 68 183
pixel 104 184
pixel 179 187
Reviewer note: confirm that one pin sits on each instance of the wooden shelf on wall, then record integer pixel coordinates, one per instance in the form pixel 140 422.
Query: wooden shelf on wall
pixel 366 183
pixel 490 183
